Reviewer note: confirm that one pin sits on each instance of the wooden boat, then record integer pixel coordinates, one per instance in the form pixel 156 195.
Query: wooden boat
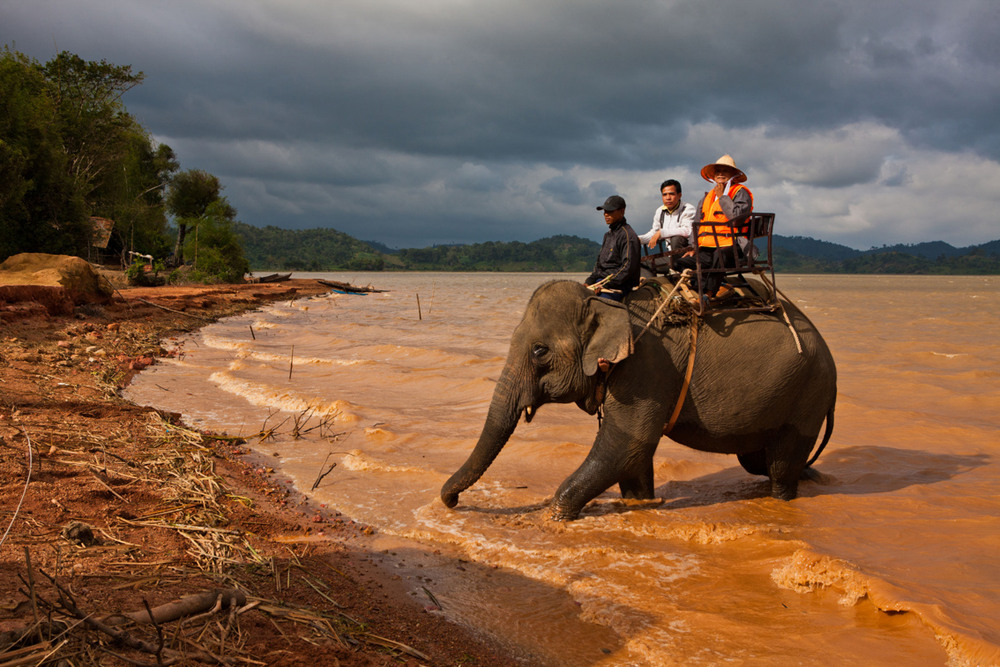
pixel 272 278
pixel 347 288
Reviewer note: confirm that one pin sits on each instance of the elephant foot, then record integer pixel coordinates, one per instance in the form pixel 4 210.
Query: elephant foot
pixel 562 514
pixel 783 491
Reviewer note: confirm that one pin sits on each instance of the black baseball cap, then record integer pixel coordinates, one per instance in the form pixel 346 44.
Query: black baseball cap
pixel 612 203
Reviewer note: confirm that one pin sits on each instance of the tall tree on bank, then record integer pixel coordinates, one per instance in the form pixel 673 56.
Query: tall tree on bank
pixel 68 151
pixel 95 125
pixel 216 248
pixel 191 193
pixel 40 210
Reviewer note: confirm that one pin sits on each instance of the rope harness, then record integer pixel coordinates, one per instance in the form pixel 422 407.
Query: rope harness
pixel 601 390
pixel 683 285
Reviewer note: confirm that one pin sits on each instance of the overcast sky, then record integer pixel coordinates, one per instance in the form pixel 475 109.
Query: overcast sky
pixel 415 122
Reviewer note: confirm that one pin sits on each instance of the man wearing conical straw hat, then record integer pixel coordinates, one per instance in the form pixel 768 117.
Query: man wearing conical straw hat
pixel 721 220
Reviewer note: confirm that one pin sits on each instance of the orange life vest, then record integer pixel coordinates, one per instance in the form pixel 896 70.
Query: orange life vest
pixel 715 230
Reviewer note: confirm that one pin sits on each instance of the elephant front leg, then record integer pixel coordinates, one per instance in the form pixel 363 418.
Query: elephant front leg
pixel 590 480
pixel 617 457
pixel 639 487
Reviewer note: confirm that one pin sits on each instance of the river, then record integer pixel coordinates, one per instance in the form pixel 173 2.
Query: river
pixel 889 558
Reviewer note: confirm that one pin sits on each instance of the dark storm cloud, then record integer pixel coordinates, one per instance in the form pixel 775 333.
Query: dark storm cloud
pixel 442 121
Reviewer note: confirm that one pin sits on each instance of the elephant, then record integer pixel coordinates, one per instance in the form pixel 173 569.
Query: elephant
pixel 752 391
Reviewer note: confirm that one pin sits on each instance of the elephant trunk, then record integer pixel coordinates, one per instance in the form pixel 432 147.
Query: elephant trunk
pixel 505 411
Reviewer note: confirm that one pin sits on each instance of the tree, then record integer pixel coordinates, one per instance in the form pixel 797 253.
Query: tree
pixel 40 209
pixel 134 196
pixel 216 247
pixel 95 126
pixel 68 151
pixel 191 193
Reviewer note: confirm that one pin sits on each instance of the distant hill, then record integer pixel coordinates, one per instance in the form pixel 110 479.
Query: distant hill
pixel 321 249
pixel 812 248
pixel 327 249
pixel 555 253
pixel 932 250
pixel 805 255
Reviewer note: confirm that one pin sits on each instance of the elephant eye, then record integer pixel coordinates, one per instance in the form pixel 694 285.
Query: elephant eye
pixel 539 352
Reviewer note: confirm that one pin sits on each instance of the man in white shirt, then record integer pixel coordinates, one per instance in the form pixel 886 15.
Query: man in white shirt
pixel 672 222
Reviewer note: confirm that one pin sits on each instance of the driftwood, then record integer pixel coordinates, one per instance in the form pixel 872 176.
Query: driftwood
pixel 172 310
pixel 189 605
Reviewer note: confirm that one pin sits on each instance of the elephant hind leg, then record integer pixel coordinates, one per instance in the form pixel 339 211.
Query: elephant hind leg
pixel 756 463
pixel 786 460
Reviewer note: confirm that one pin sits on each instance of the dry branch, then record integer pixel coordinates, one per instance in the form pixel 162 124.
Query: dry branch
pixel 189 605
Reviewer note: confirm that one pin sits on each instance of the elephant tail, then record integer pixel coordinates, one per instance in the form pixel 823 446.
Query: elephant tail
pixel 826 437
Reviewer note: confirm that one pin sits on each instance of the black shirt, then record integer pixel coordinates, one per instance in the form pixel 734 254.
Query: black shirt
pixel 619 258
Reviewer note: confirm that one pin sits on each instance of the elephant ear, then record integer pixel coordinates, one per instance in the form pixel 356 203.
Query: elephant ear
pixel 607 332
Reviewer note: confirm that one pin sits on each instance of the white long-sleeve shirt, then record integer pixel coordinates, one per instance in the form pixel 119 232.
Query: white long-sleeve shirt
pixel 678 223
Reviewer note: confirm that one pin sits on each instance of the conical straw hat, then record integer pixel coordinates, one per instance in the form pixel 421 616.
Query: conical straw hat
pixel 708 171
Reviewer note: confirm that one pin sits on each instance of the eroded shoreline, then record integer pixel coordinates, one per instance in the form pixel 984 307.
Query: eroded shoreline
pixel 145 485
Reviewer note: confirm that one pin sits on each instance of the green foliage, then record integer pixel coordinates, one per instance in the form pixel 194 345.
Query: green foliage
pixel 40 210
pixel 813 248
pixel 306 250
pixel 191 193
pixel 68 151
pixel 215 247
pixel 977 260
pixel 556 253
pixel 95 127
pixel 138 273
pixel 271 248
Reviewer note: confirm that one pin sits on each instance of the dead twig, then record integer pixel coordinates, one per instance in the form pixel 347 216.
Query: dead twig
pixel 173 310
pixel 27 481
pixel 323 473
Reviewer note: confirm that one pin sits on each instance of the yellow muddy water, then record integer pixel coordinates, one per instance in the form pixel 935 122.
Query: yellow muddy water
pixel 889 558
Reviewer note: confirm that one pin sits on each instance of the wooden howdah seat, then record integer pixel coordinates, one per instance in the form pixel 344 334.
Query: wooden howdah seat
pixel 756 258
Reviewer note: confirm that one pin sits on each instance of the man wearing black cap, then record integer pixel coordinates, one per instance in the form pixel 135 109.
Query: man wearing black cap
pixel 616 271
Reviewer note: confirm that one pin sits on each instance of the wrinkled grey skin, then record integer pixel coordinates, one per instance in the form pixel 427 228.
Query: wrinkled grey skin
pixel 752 393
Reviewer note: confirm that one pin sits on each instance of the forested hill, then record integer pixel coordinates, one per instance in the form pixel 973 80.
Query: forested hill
pixel 797 254
pixel 306 249
pixel 271 248
pixel 328 250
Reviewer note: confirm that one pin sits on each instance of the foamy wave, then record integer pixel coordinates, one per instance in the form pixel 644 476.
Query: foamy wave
pixel 949 356
pixel 547 561
pixel 244 350
pixel 709 533
pixel 257 355
pixel 608 516
pixel 806 571
pixel 272 397
pixel 358 461
pixel 379 434
pixel 223 343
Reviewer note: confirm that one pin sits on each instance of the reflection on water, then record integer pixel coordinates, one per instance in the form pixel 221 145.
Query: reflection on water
pixel 903 517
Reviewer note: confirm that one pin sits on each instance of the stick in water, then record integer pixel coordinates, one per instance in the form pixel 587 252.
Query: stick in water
pixel 291 360
pixel 420 315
